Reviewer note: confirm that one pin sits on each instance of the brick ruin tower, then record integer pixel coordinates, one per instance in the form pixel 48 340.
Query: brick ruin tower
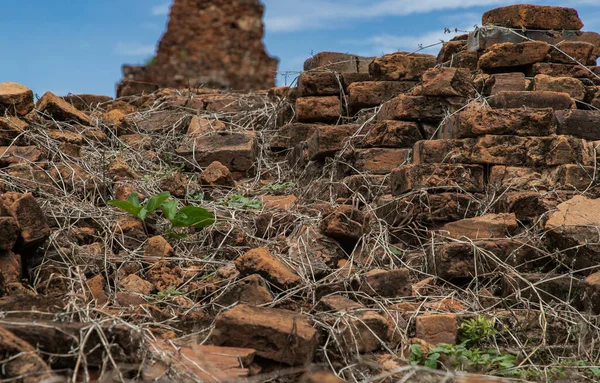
pixel 211 43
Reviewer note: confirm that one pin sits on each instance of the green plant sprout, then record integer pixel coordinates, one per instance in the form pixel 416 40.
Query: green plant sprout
pixel 187 216
pixel 239 201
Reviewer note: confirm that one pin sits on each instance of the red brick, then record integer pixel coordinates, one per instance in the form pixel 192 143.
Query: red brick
pixel 338 62
pixel 387 283
pixel 34 229
pixel 572 86
pixel 426 208
pixel 401 66
pixel 235 150
pixel 509 55
pixel 566 70
pixel 9 233
pixel 505 150
pixel 535 100
pixel 280 335
pixel 319 84
pixel 327 140
pixel 581 51
pixel 292 134
pixel 449 51
pixel 533 17
pixel 379 160
pixel 579 123
pixel 506 82
pixel 437 329
pixel 446 82
pixel 15 99
pixel 463 260
pixel 11 155
pixel 10 129
pixel 478 121
pixel 318 109
pixel 61 110
pixel 362 95
pixel 417 108
pixel 548 287
pixel 482 227
pixel 345 224
pixel 260 261
pixel 438 177
pixel 393 134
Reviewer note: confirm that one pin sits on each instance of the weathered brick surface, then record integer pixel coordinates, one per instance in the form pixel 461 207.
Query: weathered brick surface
pixel 567 70
pixel 547 287
pixel 235 150
pixel 369 94
pixel 213 43
pixel 292 134
pixel 338 62
pixel 573 228
pixel 387 283
pixel 417 108
pixel 446 82
pixel 533 17
pixel 476 121
pixel 437 177
pixel 579 123
pixel 567 51
pixel 318 84
pixel 327 140
pixel 508 55
pixel 561 177
pixel 437 329
pixel 505 150
pixel 401 66
pixel 15 99
pixel 426 208
pixel 260 261
pixel 506 82
pixel 463 260
pixel 318 109
pixel 535 100
pixel 482 227
pixel 572 86
pixel 393 134
pixel 379 160
pixel 280 335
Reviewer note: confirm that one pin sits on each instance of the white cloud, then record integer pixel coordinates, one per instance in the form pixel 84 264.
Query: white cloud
pixel 134 49
pixel 162 9
pixel 293 15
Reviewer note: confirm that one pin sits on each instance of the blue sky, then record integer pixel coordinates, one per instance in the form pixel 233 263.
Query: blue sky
pixel 79 46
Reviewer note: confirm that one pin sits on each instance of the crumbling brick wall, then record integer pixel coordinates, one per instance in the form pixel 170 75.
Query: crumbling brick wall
pixel 211 43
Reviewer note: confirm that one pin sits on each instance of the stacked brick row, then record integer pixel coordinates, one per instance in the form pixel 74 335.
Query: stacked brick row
pixel 334 89
pixel 530 146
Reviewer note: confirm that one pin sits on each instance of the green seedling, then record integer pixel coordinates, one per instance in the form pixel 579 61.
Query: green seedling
pixel 187 216
pixel 239 201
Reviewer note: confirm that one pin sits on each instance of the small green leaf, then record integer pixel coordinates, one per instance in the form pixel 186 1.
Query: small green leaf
pixel 157 200
pixel 395 251
pixel 434 356
pixel 134 198
pixel 595 371
pixel 143 213
pixel 416 350
pixel 126 206
pixel 169 209
pixel 193 216
pixel 431 363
